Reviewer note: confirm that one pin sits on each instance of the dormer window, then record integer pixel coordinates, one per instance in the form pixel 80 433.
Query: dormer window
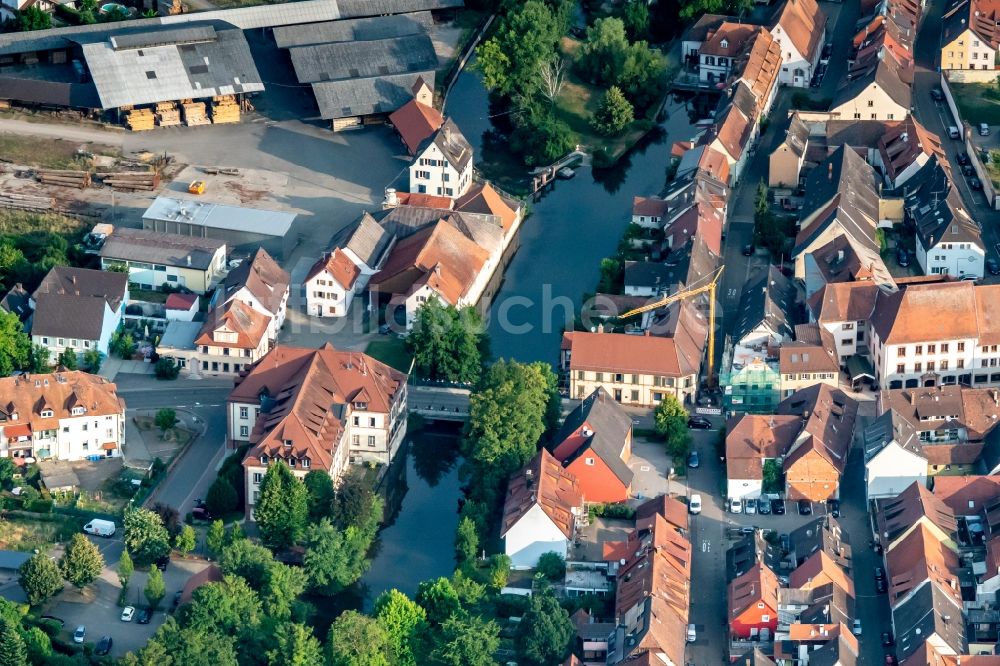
pixel 77 411
pixel 724 44
pixel 287 442
pixel 47 414
pixel 263 460
pixel 291 462
pixel 361 405
pixel 305 463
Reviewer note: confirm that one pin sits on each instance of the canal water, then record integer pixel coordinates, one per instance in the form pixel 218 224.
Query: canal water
pixel 417 542
pixel 569 231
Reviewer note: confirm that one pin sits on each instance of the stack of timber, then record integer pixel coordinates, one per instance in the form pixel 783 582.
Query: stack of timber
pixel 167 114
pixel 140 120
pixel 28 202
pixel 64 178
pixel 132 181
pixel 225 109
pixel 194 113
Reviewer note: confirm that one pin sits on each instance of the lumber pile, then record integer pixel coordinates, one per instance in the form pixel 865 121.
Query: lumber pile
pixel 225 109
pixel 64 178
pixel 194 114
pixel 140 120
pixel 167 114
pixel 29 202
pixel 132 181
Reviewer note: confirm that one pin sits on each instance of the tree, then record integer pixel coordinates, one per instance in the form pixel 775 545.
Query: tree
pixel 335 559
pixel 82 562
pixel 123 345
pixel 7 470
pixel 466 640
pixel 247 560
pixel 356 502
pixel 38 645
pixel 282 510
pixel 166 368
pixel 186 540
pixel 446 342
pixel 169 516
pixel 155 587
pixel 174 645
pixel 282 586
pixel 165 419
pixel 551 565
pixel 551 74
pixel 12 649
pixel 92 361
pixel 33 18
pixel 15 346
pixel 357 640
pixel 466 541
pixel 545 631
pixel 68 360
pixel 771 476
pixel 319 487
pixel 38 359
pixel 223 608
pixel 438 598
pixel 614 113
pixel 670 420
pixel 494 65
pixel 40 578
pixel 222 499
pixel 125 569
pixel 499 571
pixel 404 623
pixel 215 539
pixel 603 54
pixel 145 536
pixel 294 645
pixel 525 37
pixel 636 19
pixel 507 416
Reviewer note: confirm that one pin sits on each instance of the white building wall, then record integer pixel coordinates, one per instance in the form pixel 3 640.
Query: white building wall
pixel 329 299
pixel 533 536
pixel 892 471
pixel 431 173
pixel 958 259
pixel 744 488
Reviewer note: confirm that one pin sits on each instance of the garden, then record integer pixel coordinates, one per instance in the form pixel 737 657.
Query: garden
pixel 977 102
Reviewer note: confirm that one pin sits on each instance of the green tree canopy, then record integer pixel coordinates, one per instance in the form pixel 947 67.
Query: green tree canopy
pixel 335 558
pixel 447 342
pixel 404 623
pixel 282 586
pixel 33 18
pixel 356 503
pixel 145 536
pixel 81 562
pixel 173 645
pixel 466 541
pixel 221 498
pixel 438 598
pixel 155 589
pixel 614 112
pixel 38 359
pixel 186 540
pixel 125 568
pixel 247 560
pixel 40 578
pixel 15 346
pixel 7 469
pixel 466 640
pixel 545 631
pixel 670 420
pixel 603 54
pixel 225 608
pixel 319 487
pixel 165 419
pixel 357 640
pixel 294 645
pixel 635 16
pixel 282 509
pixel 12 649
pixel 215 538
pixel 551 565
pixel 68 360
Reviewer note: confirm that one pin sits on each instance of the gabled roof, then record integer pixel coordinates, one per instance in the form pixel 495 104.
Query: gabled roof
pixel 821 534
pixel 829 416
pixel 698 220
pixel 24 396
pixel 803 21
pixel 820 569
pixel 904 143
pixel 844 259
pixel 918 557
pixel 797 136
pixel 368 240
pixel 768 302
pixel 649 206
pixel 929 612
pixel 896 516
pixel 335 61
pixel 844 301
pixel 734 130
pixel 669 508
pixel 262 277
pixel 604 429
pixel 249 325
pixel 542 482
pixel 748 551
pixel 752 438
pixel 966 495
pixel 840 651
pixel 883 68
pixel 925 312
pixel 18 302
pixel 452 144
pixel 620 352
pixel 728 40
pixel 483 198
pixel 757 585
pixel 339 266
pixel 812 354
pixel 886 429
pixel 976 15
pixel 71 302
pixel 415 122
pixel 761 64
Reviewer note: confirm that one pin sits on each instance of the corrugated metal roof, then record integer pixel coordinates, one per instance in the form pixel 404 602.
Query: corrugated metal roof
pixel 352 60
pixel 221 64
pixel 363 29
pixel 361 97
pixel 220 216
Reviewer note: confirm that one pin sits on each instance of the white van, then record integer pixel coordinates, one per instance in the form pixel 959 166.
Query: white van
pixel 98 527
pixel 953 132
pixel 694 504
pixel 692 635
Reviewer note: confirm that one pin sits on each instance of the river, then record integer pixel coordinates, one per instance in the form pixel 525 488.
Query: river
pixel 570 229
pixel 418 540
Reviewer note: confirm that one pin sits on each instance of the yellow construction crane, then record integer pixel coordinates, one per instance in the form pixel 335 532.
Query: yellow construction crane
pixel 689 293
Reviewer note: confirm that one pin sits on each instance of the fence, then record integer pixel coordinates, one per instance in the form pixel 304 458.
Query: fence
pixel 970 148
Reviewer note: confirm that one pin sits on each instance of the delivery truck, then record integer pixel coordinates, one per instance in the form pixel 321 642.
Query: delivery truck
pixel 104 528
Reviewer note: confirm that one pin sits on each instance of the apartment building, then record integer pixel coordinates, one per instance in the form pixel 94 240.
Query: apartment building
pixel 78 309
pixel 970 35
pixel 154 259
pixel 64 416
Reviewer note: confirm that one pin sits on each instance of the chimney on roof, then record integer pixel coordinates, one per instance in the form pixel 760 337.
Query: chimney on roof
pixel 600 328
pixel 72 278
pixel 912 397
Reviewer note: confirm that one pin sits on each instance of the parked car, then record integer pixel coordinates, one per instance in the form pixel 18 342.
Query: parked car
pixel 963 159
pixel 805 507
pixel 145 615
pixel 748 250
pixel 975 184
pixel 98 527
pixel 856 628
pixel 177 600
pixel 953 132
pixel 993 266
pixel 694 504
pixel 750 507
pixel 887 639
pixel 162 563
pixel 200 511
pixel 937 94
pixel 881 585
pixel 693 460
pixel 692 635
pixel 128 613
pixel 104 646
pixel 735 505
pixel 984 129
pixel 699 423
pixel 902 257
pixel 763 506
pixel 79 634
pixel 778 507
pixel 968 171
pixel 833 508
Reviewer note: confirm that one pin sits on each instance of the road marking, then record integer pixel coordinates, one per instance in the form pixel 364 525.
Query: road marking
pixel 644 468
pixel 706 546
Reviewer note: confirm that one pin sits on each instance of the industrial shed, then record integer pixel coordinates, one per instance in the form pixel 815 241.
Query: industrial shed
pixel 351 102
pixel 243 229
pixel 352 30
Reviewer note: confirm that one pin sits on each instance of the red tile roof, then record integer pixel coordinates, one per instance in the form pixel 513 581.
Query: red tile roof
pixel 181 301
pixel 620 352
pixel 421 200
pixel 482 198
pixel 543 482
pixel 757 585
pixel 803 21
pixel 236 317
pixel 966 495
pixel 728 39
pixel 649 206
pixel 415 122
pixel 921 556
pixel 339 266
pixel 820 569
pixel 27 395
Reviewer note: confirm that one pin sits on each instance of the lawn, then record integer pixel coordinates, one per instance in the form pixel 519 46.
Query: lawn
pixel 993 167
pixel 49 153
pixel 18 223
pixel 977 102
pixel 391 351
pixel 27 535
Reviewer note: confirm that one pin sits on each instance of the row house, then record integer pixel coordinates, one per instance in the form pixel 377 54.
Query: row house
pixel 69 415
pixel 261 284
pixel 78 309
pixel 331 284
pixel 543 508
pixel 809 359
pixel 315 409
pixel 799 28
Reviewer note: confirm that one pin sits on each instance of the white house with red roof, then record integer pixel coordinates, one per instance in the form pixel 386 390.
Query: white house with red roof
pixel 799 26
pixel 331 284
